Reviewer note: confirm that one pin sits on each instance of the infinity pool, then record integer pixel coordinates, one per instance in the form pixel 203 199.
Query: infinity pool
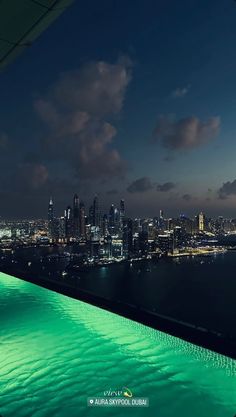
pixel 55 352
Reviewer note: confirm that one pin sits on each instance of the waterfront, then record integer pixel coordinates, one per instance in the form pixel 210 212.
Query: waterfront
pixel 56 352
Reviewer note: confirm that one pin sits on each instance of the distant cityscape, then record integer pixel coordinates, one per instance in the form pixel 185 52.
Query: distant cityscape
pixel 106 237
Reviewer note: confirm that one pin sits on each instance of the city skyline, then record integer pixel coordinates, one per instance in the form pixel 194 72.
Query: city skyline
pixel 76 202
pixel 112 235
pixel 144 113
pixel 118 203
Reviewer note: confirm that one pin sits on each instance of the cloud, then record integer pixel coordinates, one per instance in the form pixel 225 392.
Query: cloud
pixel 140 185
pixel 167 186
pixel 187 197
pixel 32 179
pixel 88 152
pixel 31 187
pixel 227 189
pixel 187 133
pixel 180 92
pixel 97 88
pixel 76 113
pixel 29 176
pixel 61 124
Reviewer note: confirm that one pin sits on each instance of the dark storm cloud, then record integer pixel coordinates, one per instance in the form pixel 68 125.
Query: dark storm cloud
pixel 187 197
pixel 88 152
pixel 29 176
pixel 34 178
pixel 76 112
pixel 228 188
pixel 180 92
pixel 187 133
pixel 30 185
pixel 140 185
pixel 167 186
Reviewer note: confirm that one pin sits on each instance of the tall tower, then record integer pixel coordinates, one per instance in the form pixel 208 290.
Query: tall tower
pixel 50 210
pixel 200 219
pixel 105 231
pixel 68 223
pixel 50 218
pixel 127 237
pixel 122 213
pixel 82 228
pixel 161 220
pixel 76 216
pixel 112 218
pixel 96 212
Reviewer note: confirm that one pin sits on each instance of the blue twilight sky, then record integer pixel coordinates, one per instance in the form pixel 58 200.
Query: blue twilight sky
pixel 133 99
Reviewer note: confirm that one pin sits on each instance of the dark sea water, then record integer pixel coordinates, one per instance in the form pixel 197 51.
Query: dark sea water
pixel 56 351
pixel 198 290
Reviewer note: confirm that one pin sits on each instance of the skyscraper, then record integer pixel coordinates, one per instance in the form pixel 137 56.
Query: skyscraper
pixel 112 216
pixel 76 216
pixel 61 228
pixel 143 242
pixel 82 228
pixel 111 221
pixel 200 222
pixel 122 212
pixel 90 215
pixel 105 230
pixel 161 220
pixel 50 218
pixel 96 212
pixel 127 237
pixel 68 223
pixel 50 210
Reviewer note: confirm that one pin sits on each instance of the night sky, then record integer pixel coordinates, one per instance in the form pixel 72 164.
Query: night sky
pixel 127 99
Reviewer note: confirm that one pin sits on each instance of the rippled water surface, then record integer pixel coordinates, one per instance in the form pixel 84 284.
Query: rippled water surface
pixel 56 351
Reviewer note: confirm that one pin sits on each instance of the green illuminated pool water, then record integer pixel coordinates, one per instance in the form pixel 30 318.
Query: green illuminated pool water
pixel 55 352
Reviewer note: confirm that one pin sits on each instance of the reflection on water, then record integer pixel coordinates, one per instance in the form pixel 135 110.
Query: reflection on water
pixel 56 351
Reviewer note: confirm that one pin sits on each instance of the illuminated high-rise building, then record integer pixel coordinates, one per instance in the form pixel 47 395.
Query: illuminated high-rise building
pixel 69 229
pixel 76 216
pixel 96 212
pixel 122 212
pixel 82 227
pixel 113 221
pixel 143 242
pixel 105 230
pixel 200 222
pixel 61 228
pixel 112 216
pixel 50 210
pixel 50 218
pixel 127 237
pixel 161 220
